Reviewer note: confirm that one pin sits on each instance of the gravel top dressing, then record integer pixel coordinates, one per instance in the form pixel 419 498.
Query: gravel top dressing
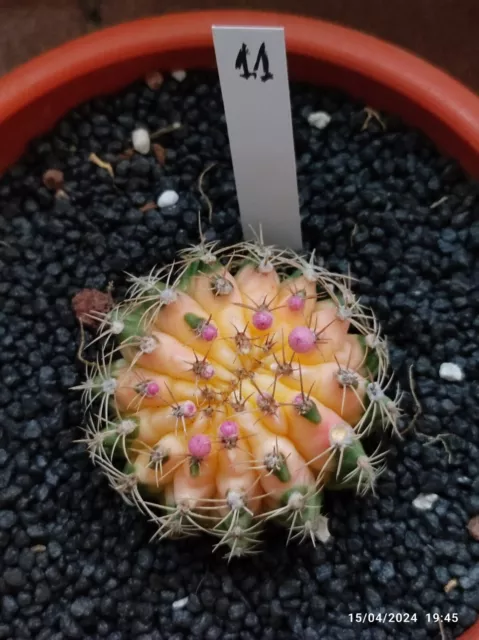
pixel 376 197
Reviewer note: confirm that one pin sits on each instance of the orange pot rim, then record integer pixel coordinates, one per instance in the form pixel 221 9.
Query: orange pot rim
pixel 410 74
pixel 448 105
pixel 431 88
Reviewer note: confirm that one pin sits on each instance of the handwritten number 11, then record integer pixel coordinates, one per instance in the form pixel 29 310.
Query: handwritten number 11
pixel 261 59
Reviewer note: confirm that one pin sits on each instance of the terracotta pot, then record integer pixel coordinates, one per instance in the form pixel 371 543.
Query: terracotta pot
pixel 34 96
pixel 38 93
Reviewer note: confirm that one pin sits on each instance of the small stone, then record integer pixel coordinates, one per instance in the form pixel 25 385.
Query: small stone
pixel 373 597
pixel 319 119
pixel 145 559
pixel 451 372
pixel 53 179
pixel 140 139
pixel 474 236
pixel 466 616
pixel 26 560
pixel 14 578
pixel 411 540
pixel 89 302
pixel 237 611
pixel 180 604
pixel 323 573
pixel 7 519
pixel 471 579
pixel 183 619
pixel 5 632
pixel 9 606
pixel 140 166
pixel 473 527
pixel 82 608
pixel 54 550
pixel 31 430
pixel 37 534
pixel 441 574
pixel 384 571
pixel 9 495
pixel 425 501
pixel 179 75
pixel 290 589
pixel 446 548
pixel 42 593
pixel 168 199
pixel 154 80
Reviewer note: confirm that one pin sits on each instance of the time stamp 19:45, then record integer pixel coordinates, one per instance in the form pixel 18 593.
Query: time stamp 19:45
pixel 401 617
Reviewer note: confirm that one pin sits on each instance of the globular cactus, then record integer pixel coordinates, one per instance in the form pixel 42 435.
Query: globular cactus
pixel 233 388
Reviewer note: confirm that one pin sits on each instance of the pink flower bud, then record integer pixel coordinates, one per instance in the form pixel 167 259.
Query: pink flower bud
pixel 296 302
pixel 209 332
pixel 151 389
pixel 228 429
pixel 262 320
pixel 299 400
pixel 207 371
pixel 302 339
pixel 188 408
pixel 199 446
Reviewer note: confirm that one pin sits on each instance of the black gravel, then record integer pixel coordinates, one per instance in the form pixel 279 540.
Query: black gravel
pixel 75 562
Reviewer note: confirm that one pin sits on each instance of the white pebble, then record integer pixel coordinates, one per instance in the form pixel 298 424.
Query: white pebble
pixel 180 604
pixel 179 75
pixel 140 139
pixel 319 119
pixel 167 199
pixel 321 531
pixel 450 371
pixel 424 501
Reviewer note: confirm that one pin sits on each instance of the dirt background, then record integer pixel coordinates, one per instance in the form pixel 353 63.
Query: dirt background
pixel 443 31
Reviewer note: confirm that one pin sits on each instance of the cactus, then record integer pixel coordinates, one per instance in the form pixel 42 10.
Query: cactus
pixel 233 388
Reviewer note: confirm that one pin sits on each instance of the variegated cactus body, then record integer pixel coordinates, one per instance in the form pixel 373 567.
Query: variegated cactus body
pixel 234 388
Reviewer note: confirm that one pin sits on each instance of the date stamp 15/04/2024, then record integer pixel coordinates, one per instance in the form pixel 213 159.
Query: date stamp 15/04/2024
pixel 398 617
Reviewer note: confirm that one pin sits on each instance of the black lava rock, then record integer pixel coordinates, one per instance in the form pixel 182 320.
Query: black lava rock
pixel 75 561
pixel 14 578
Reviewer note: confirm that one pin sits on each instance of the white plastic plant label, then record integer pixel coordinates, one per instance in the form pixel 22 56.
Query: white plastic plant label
pixel 253 75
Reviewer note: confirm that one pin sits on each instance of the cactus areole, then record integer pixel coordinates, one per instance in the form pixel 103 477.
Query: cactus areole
pixel 234 388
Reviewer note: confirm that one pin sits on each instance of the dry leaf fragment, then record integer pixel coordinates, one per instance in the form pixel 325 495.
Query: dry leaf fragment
pixel 372 114
pixel 100 163
pixel 439 202
pixel 452 584
pixel 88 303
pixel 202 193
pixel 164 130
pixel 149 206
pixel 160 153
